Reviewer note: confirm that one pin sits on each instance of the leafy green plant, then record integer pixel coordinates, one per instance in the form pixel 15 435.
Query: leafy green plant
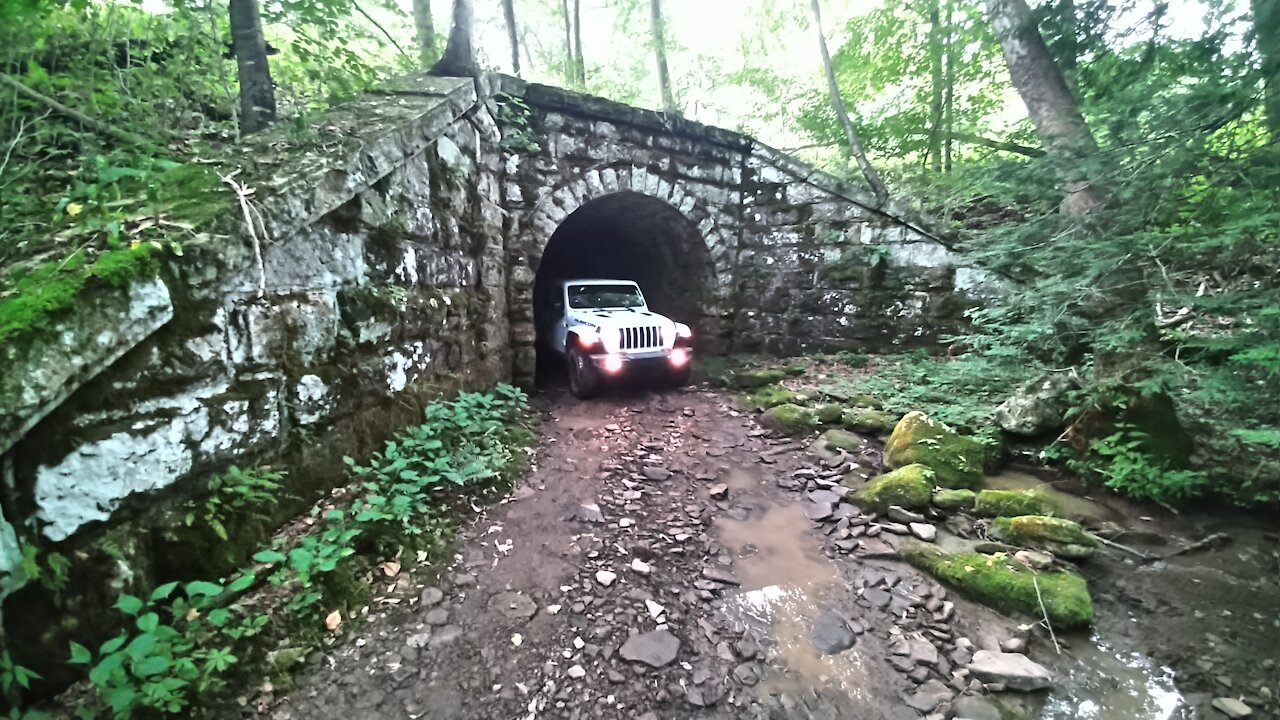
pixel 177 650
pixel 513 116
pixel 1124 466
pixel 251 493
pixel 50 569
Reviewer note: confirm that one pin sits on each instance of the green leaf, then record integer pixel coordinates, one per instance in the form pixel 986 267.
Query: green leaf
pixel 163 591
pixel 80 654
pixel 128 604
pixel 112 645
pixel 269 556
pixel 201 588
pixel 153 665
pixel 149 622
pixel 242 582
pixel 141 646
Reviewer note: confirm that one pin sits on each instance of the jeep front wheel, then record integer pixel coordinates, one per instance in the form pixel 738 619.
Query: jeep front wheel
pixel 584 381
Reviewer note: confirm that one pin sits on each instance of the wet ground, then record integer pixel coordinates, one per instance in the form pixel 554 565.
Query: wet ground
pixel 660 562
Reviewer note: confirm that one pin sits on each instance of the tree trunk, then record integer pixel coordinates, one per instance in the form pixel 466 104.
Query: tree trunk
pixel 1050 103
pixel 570 65
pixel 580 65
pixel 1266 32
pixel 949 99
pixel 842 114
pixel 660 51
pixel 426 27
pixel 509 12
pixel 459 58
pixel 257 93
pixel 933 153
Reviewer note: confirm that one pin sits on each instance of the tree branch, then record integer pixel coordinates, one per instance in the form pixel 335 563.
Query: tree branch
pixel 378 25
pixel 97 126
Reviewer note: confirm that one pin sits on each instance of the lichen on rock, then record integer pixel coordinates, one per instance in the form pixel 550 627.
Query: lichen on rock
pixel 789 419
pixel 909 487
pixel 1010 503
pixel 1062 537
pixel 867 420
pixel 1008 586
pixel 841 440
pixel 830 414
pixel 957 460
pixel 748 379
pixel 949 499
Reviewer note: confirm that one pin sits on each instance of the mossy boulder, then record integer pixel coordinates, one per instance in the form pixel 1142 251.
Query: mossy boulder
pixel 789 419
pixel 1011 503
pixel 909 487
pixel 948 499
pixel 864 400
pixel 830 414
pixel 1062 537
pixel 841 440
pixel 770 396
pixel 1008 586
pixel 957 460
pixel 867 420
pixel 748 379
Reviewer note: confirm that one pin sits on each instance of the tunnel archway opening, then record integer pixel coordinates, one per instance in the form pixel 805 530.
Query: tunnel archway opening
pixel 626 236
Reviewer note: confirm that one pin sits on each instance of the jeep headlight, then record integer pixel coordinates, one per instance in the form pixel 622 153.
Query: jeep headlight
pixel 683 332
pixel 612 338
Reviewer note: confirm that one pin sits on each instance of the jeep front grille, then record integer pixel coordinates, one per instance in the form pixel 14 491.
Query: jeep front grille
pixel 635 338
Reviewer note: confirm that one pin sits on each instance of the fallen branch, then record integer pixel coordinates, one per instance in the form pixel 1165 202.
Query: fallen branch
pixel 378 25
pixel 1206 543
pixel 1126 548
pixel 1045 614
pixel 97 126
pixel 242 194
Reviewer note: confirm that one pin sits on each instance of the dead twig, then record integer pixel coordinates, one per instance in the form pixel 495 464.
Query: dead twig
pixel 242 194
pixel 1045 613
pixel 1126 548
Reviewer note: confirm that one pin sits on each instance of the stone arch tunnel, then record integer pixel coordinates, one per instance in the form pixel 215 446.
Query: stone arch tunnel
pixel 401 262
pixel 630 236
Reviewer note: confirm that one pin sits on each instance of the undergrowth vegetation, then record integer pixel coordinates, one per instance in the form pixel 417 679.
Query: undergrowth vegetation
pixel 184 644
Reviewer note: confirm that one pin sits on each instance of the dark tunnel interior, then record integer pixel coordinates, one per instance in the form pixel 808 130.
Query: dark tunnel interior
pixel 629 236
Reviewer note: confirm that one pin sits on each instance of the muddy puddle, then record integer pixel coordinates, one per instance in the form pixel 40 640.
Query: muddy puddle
pixel 787 585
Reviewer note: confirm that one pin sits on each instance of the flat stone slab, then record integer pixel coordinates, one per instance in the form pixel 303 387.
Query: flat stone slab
pixel 654 649
pixel 1014 670
pixel 513 605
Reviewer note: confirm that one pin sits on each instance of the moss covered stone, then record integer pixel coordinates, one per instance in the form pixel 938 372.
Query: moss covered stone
pixel 1007 585
pixel 1062 537
pixel 864 400
pixel 842 440
pixel 757 378
pixel 908 487
pixel 948 499
pixel 789 419
pixel 867 420
pixel 770 396
pixel 956 459
pixel 1010 503
pixel 830 414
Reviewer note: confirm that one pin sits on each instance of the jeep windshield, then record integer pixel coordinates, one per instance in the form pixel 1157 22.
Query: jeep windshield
pixel 602 297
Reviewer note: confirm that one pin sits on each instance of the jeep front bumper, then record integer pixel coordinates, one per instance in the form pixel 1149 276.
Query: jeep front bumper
pixel 620 362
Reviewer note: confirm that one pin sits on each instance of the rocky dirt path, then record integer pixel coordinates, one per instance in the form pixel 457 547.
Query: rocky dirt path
pixel 666 558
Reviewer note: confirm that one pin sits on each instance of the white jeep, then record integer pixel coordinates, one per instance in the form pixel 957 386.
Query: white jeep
pixel 604 329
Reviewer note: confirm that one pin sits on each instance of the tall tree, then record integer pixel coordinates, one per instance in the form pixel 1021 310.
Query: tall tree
pixel 257 93
pixel 509 12
pixel 428 51
pixel 937 52
pixel 1266 33
pixel 1051 104
pixel 580 65
pixel 657 26
pixel 570 64
pixel 459 59
pixel 842 114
